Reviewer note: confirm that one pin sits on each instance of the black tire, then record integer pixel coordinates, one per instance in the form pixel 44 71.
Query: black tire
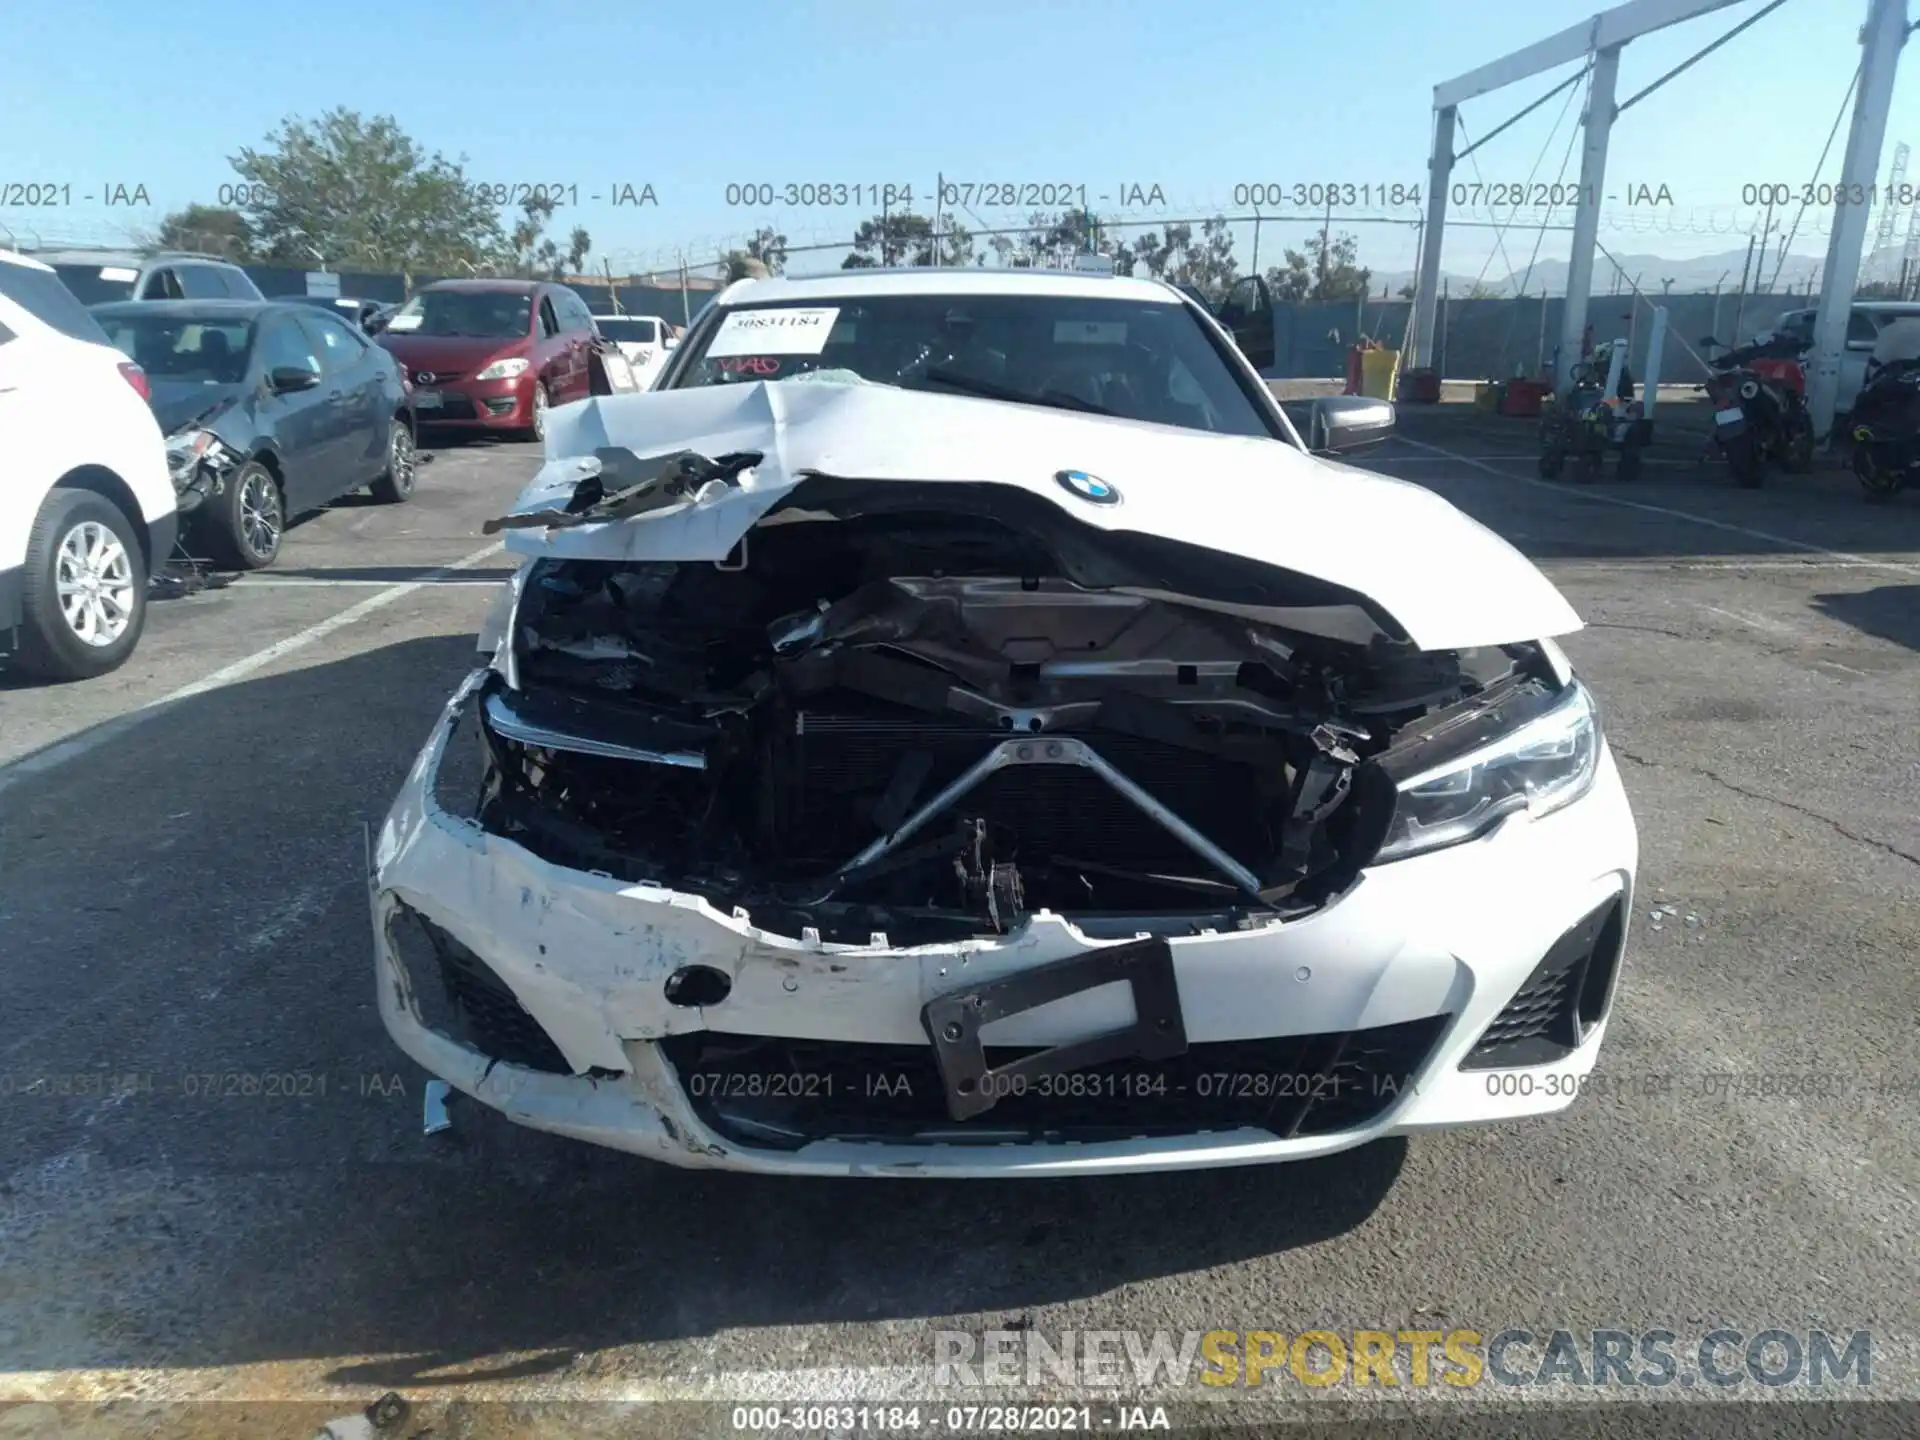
pixel 1799 457
pixel 1744 459
pixel 1552 462
pixel 1879 481
pixel 396 486
pixel 537 431
pixel 1629 467
pixel 248 519
pixel 1586 467
pixel 52 645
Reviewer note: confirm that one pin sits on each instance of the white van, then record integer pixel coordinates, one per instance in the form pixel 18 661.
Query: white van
pixel 1864 324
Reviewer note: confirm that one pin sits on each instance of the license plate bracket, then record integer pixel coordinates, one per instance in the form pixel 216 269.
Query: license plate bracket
pixel 953 1021
pixel 427 400
pixel 1732 415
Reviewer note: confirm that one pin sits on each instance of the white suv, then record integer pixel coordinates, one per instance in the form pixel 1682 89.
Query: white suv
pixel 86 506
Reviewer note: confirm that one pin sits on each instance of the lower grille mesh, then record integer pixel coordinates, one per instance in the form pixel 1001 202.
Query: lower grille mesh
pixel 771 1093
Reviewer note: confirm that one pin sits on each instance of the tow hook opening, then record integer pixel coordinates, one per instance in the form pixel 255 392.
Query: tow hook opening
pixel 697 986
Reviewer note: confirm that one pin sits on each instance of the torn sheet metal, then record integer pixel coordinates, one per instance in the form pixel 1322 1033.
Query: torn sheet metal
pixel 1449 582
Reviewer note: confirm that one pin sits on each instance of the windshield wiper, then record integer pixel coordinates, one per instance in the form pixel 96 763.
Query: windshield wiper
pixel 987 389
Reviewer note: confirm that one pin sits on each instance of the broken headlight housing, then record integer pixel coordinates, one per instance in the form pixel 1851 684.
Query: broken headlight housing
pixel 1543 765
pixel 185 450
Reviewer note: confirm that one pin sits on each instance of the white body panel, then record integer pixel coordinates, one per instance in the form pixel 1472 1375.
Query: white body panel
pixel 1455 932
pixel 1446 579
pixel 64 404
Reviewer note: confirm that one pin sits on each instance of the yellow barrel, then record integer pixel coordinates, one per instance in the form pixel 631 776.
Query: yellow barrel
pixel 1379 373
pixel 1486 395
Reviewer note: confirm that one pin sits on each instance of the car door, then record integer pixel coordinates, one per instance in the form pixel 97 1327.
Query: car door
pixel 163 284
pixel 1863 332
pixel 576 326
pixel 1248 313
pixel 349 372
pixel 201 282
pixel 303 424
pixel 551 357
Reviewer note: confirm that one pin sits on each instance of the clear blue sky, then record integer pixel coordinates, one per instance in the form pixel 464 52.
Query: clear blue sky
pixel 1196 98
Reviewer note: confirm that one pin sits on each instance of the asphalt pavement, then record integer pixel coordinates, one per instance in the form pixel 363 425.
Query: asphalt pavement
pixel 216 1186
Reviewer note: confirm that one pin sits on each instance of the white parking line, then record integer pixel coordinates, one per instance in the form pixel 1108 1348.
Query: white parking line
pixel 51 757
pixel 1598 498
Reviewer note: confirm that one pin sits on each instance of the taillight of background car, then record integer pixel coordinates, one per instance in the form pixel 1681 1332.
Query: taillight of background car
pixel 137 378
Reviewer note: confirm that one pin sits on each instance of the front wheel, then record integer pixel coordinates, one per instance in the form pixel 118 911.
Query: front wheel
pixel 1586 467
pixel 1746 462
pixel 1629 468
pixel 249 519
pixel 541 403
pixel 1552 462
pixel 1798 459
pixel 395 487
pixel 1880 479
pixel 85 598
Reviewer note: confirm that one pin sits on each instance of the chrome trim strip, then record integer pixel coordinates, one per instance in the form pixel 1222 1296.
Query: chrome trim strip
pixel 502 717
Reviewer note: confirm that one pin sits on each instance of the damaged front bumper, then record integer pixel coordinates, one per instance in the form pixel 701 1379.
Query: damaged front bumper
pixel 1414 1001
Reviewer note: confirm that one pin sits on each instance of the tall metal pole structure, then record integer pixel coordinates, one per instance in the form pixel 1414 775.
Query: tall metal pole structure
pixel 1596 129
pixel 1426 294
pixel 1597 40
pixel 1880 38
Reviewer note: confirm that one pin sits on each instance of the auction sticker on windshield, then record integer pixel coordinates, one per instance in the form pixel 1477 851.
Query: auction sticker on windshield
pixel 774 332
pixel 405 322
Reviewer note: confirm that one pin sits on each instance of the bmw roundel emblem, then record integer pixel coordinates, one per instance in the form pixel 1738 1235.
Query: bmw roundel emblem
pixel 1090 488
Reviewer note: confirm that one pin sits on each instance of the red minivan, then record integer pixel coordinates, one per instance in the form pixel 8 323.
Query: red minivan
pixel 492 354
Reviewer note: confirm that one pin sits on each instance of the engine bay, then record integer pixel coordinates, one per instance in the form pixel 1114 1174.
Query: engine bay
pixel 914 724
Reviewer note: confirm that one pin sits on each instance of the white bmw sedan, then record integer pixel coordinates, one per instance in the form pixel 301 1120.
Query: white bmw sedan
pixel 956 726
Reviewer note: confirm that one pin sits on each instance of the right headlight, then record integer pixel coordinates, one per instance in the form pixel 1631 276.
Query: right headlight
pixel 1541 766
pixel 503 369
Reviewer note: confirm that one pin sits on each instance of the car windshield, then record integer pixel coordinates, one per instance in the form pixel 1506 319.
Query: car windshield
pixel 1137 360
pixel 633 329
pixel 181 347
pixel 98 284
pixel 484 314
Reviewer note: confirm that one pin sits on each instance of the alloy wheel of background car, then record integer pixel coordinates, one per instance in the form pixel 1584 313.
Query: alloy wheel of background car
pixel 540 403
pixel 252 519
pixel 85 599
pixel 396 485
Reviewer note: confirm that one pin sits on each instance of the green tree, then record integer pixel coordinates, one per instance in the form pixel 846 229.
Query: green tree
pixel 897 237
pixel 535 254
pixel 1174 255
pixel 210 228
pixel 362 192
pixel 1325 270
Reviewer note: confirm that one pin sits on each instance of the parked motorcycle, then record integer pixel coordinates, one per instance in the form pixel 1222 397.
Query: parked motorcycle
pixel 1759 393
pixel 1886 430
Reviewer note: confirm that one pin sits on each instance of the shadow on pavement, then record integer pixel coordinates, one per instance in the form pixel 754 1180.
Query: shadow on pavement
pixel 233 941
pixel 1891 612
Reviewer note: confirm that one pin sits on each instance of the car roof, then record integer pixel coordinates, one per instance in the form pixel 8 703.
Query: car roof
pixel 949 280
pixel 28 262
pixel 130 257
pixel 218 309
pixel 515 287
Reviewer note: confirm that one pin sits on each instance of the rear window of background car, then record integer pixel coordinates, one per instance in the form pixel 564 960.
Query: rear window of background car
pixel 43 295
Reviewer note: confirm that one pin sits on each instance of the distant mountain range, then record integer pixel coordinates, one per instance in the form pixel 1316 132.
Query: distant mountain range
pixel 1697 275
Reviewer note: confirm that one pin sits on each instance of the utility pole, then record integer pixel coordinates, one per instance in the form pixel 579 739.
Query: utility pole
pixel 939 195
pixel 1326 239
pixel 686 309
pixel 613 291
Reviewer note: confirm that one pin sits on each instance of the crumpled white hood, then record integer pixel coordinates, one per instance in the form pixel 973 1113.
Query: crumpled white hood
pixel 1446 579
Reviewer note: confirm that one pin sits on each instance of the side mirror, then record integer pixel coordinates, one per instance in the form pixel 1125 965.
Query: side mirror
pixel 288 379
pixel 1338 424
